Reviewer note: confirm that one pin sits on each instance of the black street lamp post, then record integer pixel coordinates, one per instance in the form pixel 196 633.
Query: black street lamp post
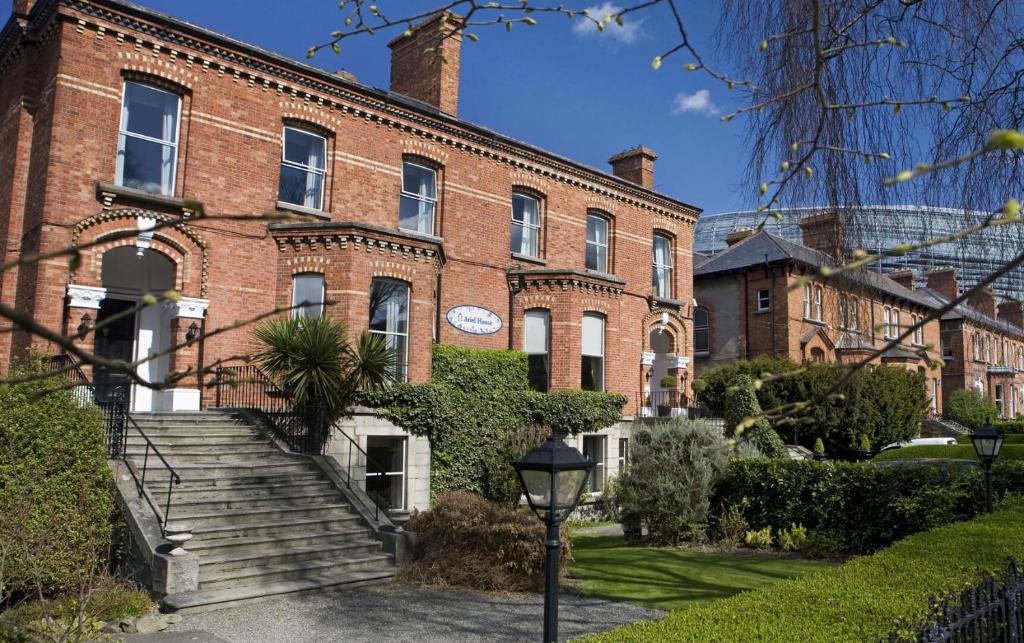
pixel 987 442
pixel 552 477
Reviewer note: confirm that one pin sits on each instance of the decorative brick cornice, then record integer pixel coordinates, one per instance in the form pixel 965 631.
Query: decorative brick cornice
pixel 359 236
pixel 263 71
pixel 556 280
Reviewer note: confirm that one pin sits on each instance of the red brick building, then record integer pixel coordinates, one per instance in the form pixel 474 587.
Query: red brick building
pixel 763 296
pixel 117 119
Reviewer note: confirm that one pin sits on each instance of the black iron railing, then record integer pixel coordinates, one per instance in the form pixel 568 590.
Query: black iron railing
pixel 114 402
pixel 247 387
pixel 665 404
pixel 989 611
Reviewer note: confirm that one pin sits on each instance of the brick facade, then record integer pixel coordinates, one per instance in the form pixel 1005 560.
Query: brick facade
pixel 64 70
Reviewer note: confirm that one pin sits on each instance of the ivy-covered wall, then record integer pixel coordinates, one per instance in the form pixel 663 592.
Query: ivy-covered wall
pixel 473 410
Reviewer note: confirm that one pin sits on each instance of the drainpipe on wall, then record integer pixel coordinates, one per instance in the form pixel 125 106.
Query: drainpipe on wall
pixel 437 310
pixel 746 316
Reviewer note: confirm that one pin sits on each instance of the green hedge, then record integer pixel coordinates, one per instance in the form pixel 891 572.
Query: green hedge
pixel 861 506
pixel 55 488
pixel 1009 438
pixel 861 600
pixel 886 404
pixel 958 452
pixel 473 409
pixel 970 408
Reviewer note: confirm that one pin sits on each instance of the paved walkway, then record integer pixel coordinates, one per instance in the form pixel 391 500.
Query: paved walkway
pixel 397 613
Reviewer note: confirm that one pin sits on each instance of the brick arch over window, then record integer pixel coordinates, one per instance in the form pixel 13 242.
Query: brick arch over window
pixel 676 327
pixel 117 228
pixel 170 80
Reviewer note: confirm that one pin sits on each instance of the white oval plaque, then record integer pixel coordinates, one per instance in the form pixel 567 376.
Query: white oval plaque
pixel 474 320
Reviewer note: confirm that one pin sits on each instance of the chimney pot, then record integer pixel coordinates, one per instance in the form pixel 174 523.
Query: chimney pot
pixel 635 165
pixel 429 76
pixel 905 277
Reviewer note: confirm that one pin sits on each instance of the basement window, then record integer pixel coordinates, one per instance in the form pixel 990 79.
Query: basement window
pixel 385 476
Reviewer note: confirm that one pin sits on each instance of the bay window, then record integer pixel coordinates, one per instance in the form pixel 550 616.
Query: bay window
pixel 536 336
pixel 147 150
pixel 419 198
pixel 307 295
pixel 303 167
pixel 389 318
pixel 525 225
pixel 592 375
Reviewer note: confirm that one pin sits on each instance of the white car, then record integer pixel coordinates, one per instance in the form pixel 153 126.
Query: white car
pixel 916 442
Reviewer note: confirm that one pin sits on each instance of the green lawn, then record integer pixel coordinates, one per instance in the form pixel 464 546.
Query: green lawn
pixel 669 578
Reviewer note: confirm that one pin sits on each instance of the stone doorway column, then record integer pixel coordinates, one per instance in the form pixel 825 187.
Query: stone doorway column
pixel 187 315
pixel 83 305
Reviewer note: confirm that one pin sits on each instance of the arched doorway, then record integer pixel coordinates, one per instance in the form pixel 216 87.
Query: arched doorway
pixel 128 273
pixel 664 399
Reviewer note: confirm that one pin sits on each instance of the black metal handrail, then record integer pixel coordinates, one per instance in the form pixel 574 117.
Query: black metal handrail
pixel 247 387
pixel 114 406
pixel 666 404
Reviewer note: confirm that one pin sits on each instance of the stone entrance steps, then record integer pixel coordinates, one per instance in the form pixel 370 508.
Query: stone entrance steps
pixel 264 522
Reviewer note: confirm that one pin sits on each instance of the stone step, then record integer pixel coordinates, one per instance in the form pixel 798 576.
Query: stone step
pixel 212 565
pixel 228 469
pixel 275 542
pixel 198 481
pixel 248 491
pixel 195 430
pixel 203 599
pixel 197 439
pixel 261 574
pixel 280 528
pixel 177 457
pixel 200 520
pixel 209 505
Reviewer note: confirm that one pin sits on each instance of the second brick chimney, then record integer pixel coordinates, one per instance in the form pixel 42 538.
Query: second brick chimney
pixel 825 232
pixel 1012 311
pixel 984 301
pixel 425 64
pixel 943 281
pixel 636 165
pixel 905 277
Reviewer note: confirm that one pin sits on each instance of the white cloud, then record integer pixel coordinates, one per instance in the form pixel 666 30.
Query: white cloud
pixel 627 33
pixel 699 101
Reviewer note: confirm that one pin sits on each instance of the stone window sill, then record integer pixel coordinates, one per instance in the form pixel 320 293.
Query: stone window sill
pixel 108 193
pixel 668 301
pixel 762 311
pixel 816 322
pixel 529 259
pixel 301 209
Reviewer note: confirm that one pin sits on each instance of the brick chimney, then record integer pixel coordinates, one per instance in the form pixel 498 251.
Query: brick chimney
pixel 944 282
pixel 737 235
pixel 904 277
pixel 22 6
pixel 429 76
pixel 984 301
pixel 635 165
pixel 1012 311
pixel 824 232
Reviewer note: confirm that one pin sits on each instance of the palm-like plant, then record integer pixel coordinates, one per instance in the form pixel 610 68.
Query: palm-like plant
pixel 312 361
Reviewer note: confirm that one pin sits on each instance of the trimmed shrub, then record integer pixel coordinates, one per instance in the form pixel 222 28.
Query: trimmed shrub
pixel 793 539
pixel 863 506
pixel 474 407
pixel 741 403
pixel 760 539
pixel 672 472
pixel 56 491
pixel 970 408
pixel 465 540
pixel 955 452
pixel 711 387
pixel 861 600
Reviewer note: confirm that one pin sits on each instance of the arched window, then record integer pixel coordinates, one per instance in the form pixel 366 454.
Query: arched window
pixel 817 303
pixel 701 330
pixel 817 355
pixel 147 149
pixel 662 272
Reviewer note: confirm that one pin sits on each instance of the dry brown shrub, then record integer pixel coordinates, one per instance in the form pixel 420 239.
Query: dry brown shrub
pixel 465 540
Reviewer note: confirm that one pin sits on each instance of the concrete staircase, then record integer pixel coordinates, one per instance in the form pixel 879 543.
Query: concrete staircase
pixel 265 521
pixel 942 428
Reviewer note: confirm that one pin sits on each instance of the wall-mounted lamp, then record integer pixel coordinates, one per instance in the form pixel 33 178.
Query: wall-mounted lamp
pixel 192 333
pixel 84 324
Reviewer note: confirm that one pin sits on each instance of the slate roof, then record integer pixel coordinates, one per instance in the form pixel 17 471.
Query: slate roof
pixel 962 311
pixel 762 248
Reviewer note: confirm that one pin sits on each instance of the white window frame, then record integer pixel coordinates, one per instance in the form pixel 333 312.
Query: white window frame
pixel 886 321
pixel 404 358
pixel 123 133
pixel 533 228
pixel 895 325
pixel 599 473
pixel 386 474
pixel 547 340
pixel 976 346
pixel 705 328
pixel 851 309
pixel 604 347
pixel 623 454
pixel 764 304
pixel 807 301
pixel 418 197
pixel 662 272
pixel 998 397
pixel 307 311
pixel 818 297
pixel 598 244
pixel 305 168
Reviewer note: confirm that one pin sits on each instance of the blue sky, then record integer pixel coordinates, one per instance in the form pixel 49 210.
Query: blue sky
pixel 582 95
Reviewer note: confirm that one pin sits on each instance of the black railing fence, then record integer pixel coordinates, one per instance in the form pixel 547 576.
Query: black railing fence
pixel 247 387
pixel 114 402
pixel 666 404
pixel 988 612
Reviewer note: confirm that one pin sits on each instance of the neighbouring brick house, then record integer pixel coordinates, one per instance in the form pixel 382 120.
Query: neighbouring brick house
pixel 751 302
pixel 982 342
pixel 424 227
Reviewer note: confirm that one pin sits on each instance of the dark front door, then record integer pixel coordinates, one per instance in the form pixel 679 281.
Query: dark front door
pixel 114 341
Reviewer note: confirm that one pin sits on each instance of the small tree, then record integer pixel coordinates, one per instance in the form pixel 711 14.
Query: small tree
pixel 741 405
pixel 970 408
pixel 672 472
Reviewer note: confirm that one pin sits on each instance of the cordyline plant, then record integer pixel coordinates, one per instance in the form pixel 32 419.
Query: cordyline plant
pixel 312 360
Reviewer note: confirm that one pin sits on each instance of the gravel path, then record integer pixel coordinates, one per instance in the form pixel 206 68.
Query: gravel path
pixel 400 613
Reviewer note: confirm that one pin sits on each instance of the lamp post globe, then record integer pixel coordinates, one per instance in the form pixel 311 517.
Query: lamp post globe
pixel 552 477
pixel 987 441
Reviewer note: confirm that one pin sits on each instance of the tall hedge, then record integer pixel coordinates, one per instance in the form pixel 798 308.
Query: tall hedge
pixel 741 404
pixel 970 408
pixel 884 403
pixel 55 488
pixel 473 410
